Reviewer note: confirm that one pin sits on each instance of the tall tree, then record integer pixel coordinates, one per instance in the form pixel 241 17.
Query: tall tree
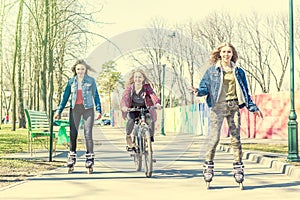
pixel 278 37
pixel 108 80
pixel 45 57
pixel 21 114
pixel 1 57
pixel 16 62
pixel 154 47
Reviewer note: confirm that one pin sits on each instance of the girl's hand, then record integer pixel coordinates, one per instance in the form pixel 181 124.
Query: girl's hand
pixel 158 106
pixel 57 116
pixel 258 114
pixel 194 90
pixel 98 116
pixel 124 109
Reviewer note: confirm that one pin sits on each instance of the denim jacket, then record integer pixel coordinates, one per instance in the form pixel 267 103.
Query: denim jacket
pixel 89 94
pixel 211 85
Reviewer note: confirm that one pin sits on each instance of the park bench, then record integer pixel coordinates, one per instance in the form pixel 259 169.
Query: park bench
pixel 38 125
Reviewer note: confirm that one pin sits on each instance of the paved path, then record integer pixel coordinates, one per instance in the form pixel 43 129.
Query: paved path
pixel 177 175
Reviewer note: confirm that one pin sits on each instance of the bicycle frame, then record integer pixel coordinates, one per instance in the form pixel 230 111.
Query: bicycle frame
pixel 140 129
pixel 143 144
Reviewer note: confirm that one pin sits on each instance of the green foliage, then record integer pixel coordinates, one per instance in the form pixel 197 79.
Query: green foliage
pixel 109 78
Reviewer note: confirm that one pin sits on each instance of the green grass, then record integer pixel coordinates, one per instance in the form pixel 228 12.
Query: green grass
pixel 17 141
pixel 14 170
pixel 273 148
pixel 12 141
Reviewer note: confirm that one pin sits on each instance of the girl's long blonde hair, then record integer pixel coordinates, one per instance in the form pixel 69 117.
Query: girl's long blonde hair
pixel 215 54
pixel 130 81
pixel 82 62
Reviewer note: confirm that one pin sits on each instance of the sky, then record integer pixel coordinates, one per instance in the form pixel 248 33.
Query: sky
pixel 121 16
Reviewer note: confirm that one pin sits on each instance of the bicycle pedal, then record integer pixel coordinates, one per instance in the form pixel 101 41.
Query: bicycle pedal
pixel 130 148
pixel 132 154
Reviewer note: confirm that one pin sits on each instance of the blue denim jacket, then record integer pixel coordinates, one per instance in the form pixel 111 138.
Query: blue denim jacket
pixel 210 85
pixel 89 94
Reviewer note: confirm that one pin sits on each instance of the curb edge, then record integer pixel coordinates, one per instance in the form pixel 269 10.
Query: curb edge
pixel 282 167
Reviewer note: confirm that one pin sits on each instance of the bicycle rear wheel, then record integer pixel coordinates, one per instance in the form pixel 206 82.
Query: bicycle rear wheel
pixel 148 155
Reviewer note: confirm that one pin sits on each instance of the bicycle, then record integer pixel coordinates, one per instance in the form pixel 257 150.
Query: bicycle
pixel 142 142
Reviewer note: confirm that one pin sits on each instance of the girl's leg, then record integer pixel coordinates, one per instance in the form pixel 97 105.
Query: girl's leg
pixel 130 122
pixel 150 122
pixel 216 121
pixel 88 120
pixel 74 118
pixel 129 127
pixel 234 123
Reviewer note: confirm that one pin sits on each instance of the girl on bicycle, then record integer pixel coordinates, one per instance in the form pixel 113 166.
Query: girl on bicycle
pixel 138 94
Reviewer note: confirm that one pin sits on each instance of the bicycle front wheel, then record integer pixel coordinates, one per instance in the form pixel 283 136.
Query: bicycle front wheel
pixel 148 155
pixel 137 155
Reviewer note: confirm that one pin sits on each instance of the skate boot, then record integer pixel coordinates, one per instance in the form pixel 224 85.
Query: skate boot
pixel 71 161
pixel 89 163
pixel 238 173
pixel 208 172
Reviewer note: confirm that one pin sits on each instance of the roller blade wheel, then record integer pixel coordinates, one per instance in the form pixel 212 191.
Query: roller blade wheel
pixel 207 185
pixel 239 178
pixel 241 186
pixel 90 170
pixel 70 170
pixel 148 174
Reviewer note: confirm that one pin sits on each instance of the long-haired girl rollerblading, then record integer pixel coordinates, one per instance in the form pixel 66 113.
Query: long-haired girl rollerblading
pixel 226 89
pixel 82 91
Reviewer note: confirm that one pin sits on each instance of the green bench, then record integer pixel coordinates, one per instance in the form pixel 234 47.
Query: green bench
pixel 38 125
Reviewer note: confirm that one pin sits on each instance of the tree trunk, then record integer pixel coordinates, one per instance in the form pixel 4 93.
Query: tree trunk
pixel 1 60
pixel 22 122
pixel 16 57
pixel 45 58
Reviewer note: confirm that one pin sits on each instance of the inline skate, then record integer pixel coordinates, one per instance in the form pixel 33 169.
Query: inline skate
pixel 71 161
pixel 89 163
pixel 208 172
pixel 238 173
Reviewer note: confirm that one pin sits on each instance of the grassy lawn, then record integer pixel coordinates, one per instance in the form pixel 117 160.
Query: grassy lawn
pixel 12 141
pixel 17 141
pixel 14 170
pixel 272 148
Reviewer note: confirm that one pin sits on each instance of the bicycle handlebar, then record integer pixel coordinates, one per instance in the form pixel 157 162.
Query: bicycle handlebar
pixel 141 109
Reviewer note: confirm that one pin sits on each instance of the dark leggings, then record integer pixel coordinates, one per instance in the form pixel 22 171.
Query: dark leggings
pixel 88 118
pixel 131 116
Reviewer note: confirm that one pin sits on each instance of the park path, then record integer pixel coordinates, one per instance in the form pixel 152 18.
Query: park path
pixel 177 175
